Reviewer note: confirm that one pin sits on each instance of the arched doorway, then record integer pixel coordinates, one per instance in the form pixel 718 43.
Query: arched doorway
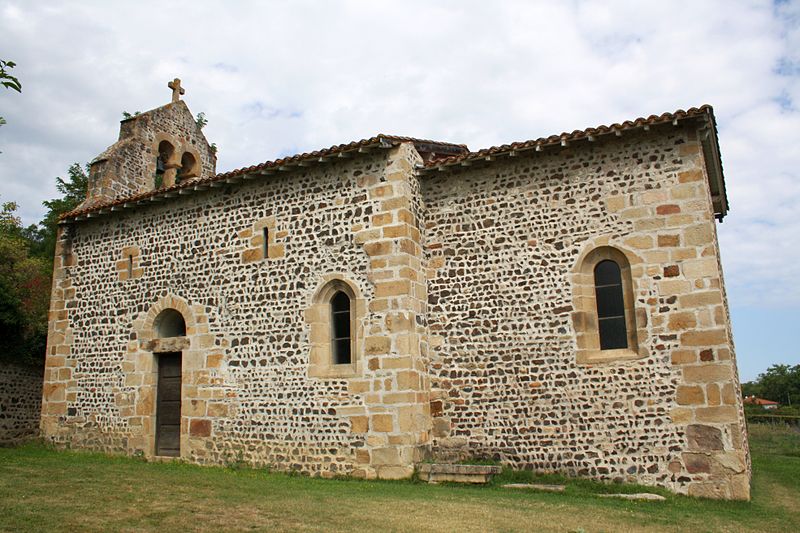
pixel 169 323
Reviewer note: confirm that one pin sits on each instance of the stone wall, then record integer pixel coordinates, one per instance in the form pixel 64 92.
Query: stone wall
pixel 508 316
pixel 247 390
pixel 20 403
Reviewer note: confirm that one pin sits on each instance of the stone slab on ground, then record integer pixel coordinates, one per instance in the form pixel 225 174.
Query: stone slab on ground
pixel 638 496
pixel 436 473
pixel 535 486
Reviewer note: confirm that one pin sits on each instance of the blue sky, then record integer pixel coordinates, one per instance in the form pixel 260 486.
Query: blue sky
pixel 279 77
pixel 763 337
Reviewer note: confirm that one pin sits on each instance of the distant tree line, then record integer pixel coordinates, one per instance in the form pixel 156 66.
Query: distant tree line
pixel 780 383
pixel 26 268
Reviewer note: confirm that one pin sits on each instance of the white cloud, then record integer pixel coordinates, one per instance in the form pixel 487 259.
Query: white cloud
pixel 279 77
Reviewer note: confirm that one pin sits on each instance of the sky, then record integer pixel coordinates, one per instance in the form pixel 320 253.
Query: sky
pixel 281 77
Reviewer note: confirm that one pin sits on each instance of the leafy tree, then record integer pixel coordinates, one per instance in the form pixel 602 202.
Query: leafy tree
pixel 9 221
pixel 780 383
pixel 201 120
pixel 7 80
pixel 12 225
pixel 751 388
pixel 26 265
pixel 73 190
pixel 24 293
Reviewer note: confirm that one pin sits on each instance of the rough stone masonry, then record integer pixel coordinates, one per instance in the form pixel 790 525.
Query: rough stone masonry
pixel 474 329
pixel 20 403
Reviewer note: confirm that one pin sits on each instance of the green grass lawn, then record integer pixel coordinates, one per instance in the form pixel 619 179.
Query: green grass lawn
pixel 46 490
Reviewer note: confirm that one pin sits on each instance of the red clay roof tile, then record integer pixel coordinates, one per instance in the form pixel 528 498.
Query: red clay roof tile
pixel 704 110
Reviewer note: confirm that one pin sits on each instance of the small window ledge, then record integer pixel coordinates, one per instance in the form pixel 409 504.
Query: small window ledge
pixel 598 357
pixel 347 370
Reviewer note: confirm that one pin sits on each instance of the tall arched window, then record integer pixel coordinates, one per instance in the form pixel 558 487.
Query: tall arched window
pixel 607 323
pixel 610 306
pixel 336 333
pixel 341 336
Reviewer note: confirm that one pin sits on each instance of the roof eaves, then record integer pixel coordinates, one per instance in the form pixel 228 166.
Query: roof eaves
pixel 709 140
pixel 565 138
pixel 342 151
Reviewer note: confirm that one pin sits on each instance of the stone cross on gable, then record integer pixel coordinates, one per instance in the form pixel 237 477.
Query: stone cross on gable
pixel 177 90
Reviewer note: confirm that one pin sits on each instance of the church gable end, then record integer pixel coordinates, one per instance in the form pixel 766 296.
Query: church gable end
pixel 157 148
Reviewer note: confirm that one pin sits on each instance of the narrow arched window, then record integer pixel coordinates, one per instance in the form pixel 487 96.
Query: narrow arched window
pixel 610 306
pixel 340 329
pixel 335 335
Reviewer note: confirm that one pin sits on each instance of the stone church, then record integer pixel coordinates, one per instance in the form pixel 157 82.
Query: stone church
pixel 555 305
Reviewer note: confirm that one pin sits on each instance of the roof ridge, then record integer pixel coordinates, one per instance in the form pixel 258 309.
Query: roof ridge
pixel 322 152
pixel 405 138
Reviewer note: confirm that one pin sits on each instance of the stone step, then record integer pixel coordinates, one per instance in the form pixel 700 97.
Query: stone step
pixel 454 473
pixel 535 486
pixel 638 496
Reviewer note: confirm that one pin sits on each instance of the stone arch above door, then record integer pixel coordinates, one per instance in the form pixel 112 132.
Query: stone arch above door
pixel 151 340
pixel 169 323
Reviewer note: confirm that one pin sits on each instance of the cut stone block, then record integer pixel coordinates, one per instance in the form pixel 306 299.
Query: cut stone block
pixel 535 486
pixel 437 473
pixel 638 496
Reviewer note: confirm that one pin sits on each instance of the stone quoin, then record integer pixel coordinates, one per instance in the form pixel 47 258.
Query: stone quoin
pixel 555 305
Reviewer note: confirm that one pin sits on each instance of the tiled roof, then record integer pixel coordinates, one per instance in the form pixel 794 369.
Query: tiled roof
pixel 304 159
pixel 339 148
pixel 759 401
pixel 442 156
pixel 565 138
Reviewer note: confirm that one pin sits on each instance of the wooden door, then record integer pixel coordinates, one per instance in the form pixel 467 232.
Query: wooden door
pixel 168 405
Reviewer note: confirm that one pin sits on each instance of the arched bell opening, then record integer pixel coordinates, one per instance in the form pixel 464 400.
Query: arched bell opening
pixel 189 167
pixel 166 151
